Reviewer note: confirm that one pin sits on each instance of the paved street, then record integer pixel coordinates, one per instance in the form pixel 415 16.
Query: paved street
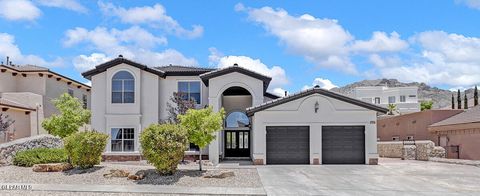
pixel 391 177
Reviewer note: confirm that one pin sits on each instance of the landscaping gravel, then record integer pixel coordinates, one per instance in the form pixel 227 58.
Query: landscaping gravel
pixel 58 193
pixel 188 175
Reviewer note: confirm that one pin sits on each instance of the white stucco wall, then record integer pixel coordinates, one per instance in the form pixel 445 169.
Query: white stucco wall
pixel 300 112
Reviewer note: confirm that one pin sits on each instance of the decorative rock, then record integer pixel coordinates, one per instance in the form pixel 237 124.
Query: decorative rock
pixel 117 173
pixel 138 176
pixel 437 152
pixel 409 152
pixel 219 174
pixel 52 167
pixel 9 149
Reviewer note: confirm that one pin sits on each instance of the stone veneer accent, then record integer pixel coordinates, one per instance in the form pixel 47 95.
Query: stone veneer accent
pixel 422 150
pixel 316 161
pixel 9 149
pixel 119 158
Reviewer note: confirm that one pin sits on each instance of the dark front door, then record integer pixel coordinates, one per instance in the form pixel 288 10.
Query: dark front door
pixel 237 143
pixel 343 145
pixel 288 145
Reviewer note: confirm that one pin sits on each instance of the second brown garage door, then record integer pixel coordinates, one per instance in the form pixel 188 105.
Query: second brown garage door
pixel 288 145
pixel 343 145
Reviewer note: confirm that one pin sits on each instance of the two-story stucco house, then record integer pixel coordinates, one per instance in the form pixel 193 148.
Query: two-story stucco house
pixel 26 93
pixel 315 126
pixel 405 98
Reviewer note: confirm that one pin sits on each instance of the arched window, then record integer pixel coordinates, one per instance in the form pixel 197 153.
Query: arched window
pixel 236 120
pixel 123 87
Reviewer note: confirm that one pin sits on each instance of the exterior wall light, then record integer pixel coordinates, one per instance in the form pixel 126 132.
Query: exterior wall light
pixel 316 106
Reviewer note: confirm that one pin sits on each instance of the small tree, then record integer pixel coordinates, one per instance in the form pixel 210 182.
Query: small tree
pixel 201 126
pixel 426 105
pixel 391 108
pixel 178 105
pixel 5 122
pixel 72 116
pixel 459 100
pixel 475 96
pixel 465 101
pixel 453 102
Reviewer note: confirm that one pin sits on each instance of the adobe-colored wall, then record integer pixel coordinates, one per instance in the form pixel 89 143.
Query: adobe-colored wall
pixel 414 124
pixel 466 136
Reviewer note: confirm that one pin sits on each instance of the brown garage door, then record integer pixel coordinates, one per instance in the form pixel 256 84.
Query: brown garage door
pixel 288 145
pixel 343 145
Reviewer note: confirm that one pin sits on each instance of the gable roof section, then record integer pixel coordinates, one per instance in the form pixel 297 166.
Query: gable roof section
pixel 104 66
pixel 471 115
pixel 315 90
pixel 179 70
pixel 235 68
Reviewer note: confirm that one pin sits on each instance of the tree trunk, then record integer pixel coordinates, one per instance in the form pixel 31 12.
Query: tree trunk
pixel 200 159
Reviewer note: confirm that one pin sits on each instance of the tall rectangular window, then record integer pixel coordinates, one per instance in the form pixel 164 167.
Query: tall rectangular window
pixel 377 100
pixel 191 90
pixel 70 92
pixel 391 99
pixel 403 98
pixel 123 139
pixel 85 101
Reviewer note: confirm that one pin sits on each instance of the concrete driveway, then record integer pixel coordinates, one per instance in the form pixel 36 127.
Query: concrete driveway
pixel 390 177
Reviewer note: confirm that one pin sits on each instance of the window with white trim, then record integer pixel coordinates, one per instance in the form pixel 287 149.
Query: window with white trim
pixel 123 87
pixel 403 98
pixel 391 99
pixel 377 100
pixel 190 90
pixel 123 139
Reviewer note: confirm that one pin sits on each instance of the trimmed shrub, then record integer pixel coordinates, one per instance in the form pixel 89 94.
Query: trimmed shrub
pixel 28 158
pixel 85 148
pixel 163 146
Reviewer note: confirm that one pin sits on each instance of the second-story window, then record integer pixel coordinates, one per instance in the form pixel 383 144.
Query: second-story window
pixel 70 92
pixel 123 87
pixel 391 99
pixel 190 90
pixel 403 98
pixel 377 100
pixel 85 101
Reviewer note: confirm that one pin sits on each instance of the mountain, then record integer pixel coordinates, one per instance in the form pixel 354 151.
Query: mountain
pixel 441 98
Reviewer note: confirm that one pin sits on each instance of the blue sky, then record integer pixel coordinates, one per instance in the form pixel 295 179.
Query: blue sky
pixel 298 43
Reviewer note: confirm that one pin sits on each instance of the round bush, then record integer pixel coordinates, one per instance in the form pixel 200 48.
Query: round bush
pixel 85 148
pixel 163 146
pixel 28 158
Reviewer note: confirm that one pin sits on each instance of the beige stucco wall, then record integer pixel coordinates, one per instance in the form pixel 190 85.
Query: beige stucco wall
pixel 169 85
pixel 236 103
pixel 138 115
pixel 30 100
pixel 7 82
pixel 300 112
pixel 216 87
pixel 56 88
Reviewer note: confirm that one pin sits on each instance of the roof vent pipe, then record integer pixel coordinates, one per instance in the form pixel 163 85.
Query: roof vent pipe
pixel 8 60
pixel 316 86
pixel 235 65
pixel 286 93
pixel 120 56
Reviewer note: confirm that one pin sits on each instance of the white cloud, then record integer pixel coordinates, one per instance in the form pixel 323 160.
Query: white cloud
pixel 9 48
pixel 277 73
pixel 475 4
pixel 215 56
pixel 321 41
pixel 381 42
pixel 323 83
pixel 19 10
pixel 279 92
pixel 154 16
pixel 83 62
pixel 133 43
pixel 66 4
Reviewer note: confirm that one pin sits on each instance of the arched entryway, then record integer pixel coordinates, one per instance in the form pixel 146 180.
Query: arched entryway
pixel 236 134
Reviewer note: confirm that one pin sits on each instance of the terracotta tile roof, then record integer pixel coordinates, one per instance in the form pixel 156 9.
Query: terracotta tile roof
pixel 471 115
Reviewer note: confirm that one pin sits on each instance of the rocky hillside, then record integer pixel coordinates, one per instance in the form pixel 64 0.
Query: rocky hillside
pixel 441 98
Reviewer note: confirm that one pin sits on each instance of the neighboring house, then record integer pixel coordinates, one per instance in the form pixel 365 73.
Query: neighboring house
pixel 405 98
pixel 312 127
pixel 28 90
pixel 412 126
pixel 460 134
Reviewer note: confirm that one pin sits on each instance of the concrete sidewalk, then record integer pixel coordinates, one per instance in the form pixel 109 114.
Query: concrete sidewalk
pixel 145 189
